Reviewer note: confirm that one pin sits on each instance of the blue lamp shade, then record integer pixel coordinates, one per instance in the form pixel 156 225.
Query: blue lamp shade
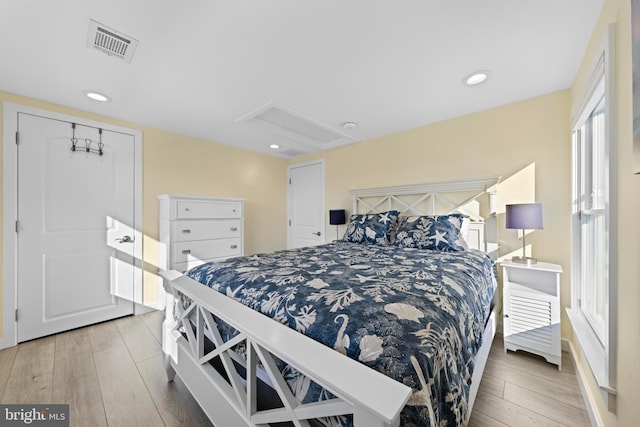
pixel 337 217
pixel 524 216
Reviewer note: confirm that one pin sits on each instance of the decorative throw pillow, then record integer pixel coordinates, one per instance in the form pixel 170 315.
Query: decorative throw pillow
pixel 371 228
pixel 442 233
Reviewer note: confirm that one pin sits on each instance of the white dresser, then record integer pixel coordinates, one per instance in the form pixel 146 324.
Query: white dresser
pixel 194 230
pixel 531 298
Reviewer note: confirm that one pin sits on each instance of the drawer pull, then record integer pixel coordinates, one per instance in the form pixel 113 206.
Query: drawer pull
pixel 234 246
pixel 186 231
pixel 234 228
pixel 186 251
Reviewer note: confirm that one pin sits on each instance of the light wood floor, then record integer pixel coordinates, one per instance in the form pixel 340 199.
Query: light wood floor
pixel 520 389
pixel 111 374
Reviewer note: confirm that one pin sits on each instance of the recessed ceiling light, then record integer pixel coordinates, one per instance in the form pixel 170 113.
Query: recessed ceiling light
pixel 274 146
pixel 476 78
pixel 349 125
pixel 96 96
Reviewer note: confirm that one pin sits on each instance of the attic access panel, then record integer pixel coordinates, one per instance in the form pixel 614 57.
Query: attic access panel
pixel 291 125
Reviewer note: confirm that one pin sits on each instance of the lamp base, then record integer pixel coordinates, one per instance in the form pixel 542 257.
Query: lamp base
pixel 524 260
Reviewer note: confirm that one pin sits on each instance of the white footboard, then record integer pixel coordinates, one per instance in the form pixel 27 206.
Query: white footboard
pixel 372 398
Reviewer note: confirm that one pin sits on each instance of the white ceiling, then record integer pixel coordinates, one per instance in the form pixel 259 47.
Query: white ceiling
pixel 202 64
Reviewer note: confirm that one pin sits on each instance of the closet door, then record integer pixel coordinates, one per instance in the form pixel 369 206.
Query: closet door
pixel 75 235
pixel 306 206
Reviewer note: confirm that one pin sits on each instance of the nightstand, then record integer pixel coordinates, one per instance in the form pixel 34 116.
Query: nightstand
pixel 531 306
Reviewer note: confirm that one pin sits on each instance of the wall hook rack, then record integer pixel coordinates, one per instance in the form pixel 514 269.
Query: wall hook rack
pixel 88 142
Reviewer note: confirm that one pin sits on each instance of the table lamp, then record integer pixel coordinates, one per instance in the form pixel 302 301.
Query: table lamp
pixel 524 216
pixel 337 217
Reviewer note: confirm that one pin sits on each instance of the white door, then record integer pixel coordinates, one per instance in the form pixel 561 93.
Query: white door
pixel 306 205
pixel 75 231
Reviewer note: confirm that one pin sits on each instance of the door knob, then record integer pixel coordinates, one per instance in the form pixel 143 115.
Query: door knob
pixel 125 239
pixel 317 233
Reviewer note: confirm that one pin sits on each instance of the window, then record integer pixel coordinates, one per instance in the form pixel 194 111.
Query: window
pixel 593 224
pixel 589 175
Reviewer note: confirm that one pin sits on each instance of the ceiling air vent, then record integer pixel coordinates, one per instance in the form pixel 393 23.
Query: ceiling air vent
pixel 110 41
pixel 287 123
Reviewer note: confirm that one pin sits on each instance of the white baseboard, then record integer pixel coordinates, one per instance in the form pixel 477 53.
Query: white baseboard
pixel 589 404
pixel 5 342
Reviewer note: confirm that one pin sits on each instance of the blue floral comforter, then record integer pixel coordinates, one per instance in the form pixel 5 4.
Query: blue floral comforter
pixel 415 315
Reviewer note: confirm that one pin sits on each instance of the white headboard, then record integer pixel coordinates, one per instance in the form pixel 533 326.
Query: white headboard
pixel 439 198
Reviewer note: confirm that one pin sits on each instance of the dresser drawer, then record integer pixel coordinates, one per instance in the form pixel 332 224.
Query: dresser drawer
pixel 199 229
pixel 205 249
pixel 186 209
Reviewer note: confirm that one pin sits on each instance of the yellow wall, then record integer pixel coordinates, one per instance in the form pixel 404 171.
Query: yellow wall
pixel 628 235
pixel 180 164
pixel 527 144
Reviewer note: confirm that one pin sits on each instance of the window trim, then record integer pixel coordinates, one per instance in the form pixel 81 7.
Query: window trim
pixel 601 356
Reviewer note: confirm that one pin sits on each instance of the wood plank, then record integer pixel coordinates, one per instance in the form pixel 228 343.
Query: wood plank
pixel 491 384
pixel 153 320
pixel 524 358
pixel 527 363
pixel 77 340
pixel 126 399
pixel 31 377
pixel 509 413
pixel 105 336
pixel 140 341
pixel 567 391
pixel 173 400
pixel 75 382
pixel 478 419
pixel 7 356
pixel 551 407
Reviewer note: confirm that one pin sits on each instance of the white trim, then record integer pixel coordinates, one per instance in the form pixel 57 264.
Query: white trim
pixel 601 359
pixel 290 205
pixel 9 208
pixel 587 397
pixel 436 187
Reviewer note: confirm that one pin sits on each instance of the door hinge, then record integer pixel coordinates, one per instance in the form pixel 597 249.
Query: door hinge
pixel 17 226
pixel 16 314
pixel 289 223
pixel 289 181
pixel 17 137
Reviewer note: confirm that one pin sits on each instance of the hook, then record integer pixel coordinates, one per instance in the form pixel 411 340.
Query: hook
pixel 74 140
pixel 100 144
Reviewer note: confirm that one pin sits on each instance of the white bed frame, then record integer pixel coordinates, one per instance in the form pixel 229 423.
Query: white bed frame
pixel 373 399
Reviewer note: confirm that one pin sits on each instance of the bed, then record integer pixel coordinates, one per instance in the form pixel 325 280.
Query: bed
pixel 360 332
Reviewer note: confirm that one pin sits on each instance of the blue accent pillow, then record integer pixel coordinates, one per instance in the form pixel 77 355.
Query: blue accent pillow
pixel 440 233
pixel 371 228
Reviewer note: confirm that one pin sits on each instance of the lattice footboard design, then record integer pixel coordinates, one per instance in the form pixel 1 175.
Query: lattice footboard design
pixel 244 370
